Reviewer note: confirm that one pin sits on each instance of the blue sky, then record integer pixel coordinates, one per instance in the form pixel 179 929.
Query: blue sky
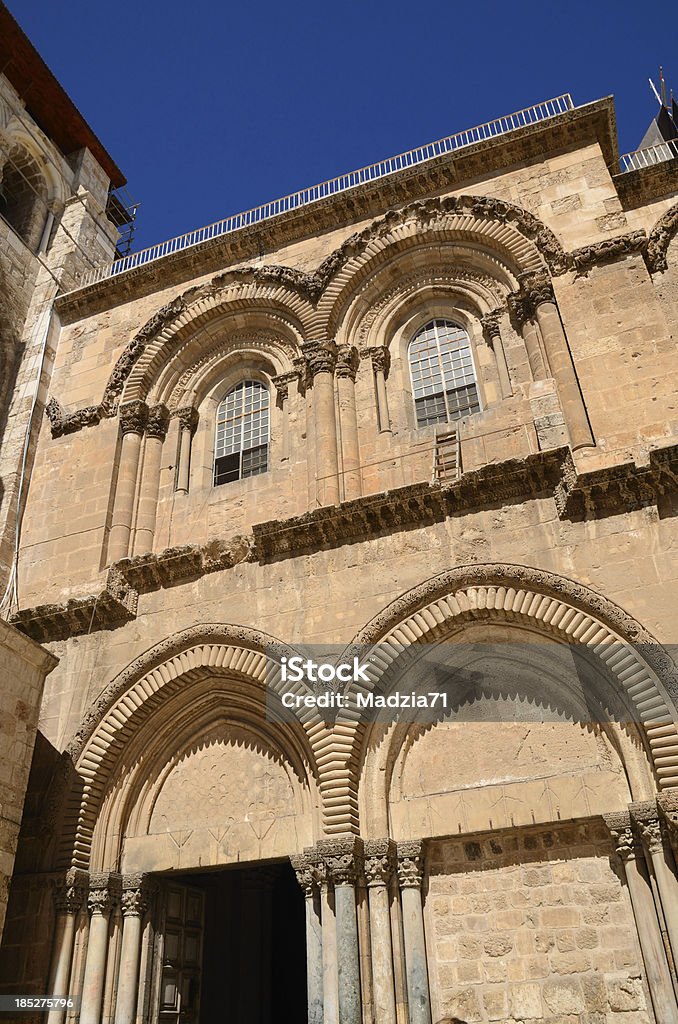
pixel 210 108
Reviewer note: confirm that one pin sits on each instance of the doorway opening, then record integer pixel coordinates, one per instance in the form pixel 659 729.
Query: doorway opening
pixel 234 946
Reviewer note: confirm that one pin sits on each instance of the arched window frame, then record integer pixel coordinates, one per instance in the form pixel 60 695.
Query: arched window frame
pixel 235 457
pixel 25 194
pixel 449 410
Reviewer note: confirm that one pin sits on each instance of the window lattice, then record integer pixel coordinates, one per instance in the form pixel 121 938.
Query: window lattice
pixel 242 434
pixel 443 377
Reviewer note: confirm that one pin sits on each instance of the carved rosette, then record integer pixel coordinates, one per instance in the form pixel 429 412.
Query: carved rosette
pixel 137 892
pixel 104 893
pixel 157 422
pixel 342 859
pixel 621 830
pixel 188 418
pixel 379 356
pixel 379 862
pixel 282 382
pixel 320 356
pixel 133 417
pixel 347 361
pixel 69 897
pixel 410 864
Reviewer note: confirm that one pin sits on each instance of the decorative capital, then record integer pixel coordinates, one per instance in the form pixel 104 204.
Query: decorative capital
pixel 620 829
pixel 320 356
pixel 347 361
pixel 410 864
pixel 380 357
pixel 379 861
pixel 535 289
pixel 188 418
pixel 282 383
pixel 668 805
pixel 104 893
pixel 137 891
pixel 157 422
pixel 69 897
pixel 490 323
pixel 645 817
pixel 133 417
pixel 343 859
pixel 304 869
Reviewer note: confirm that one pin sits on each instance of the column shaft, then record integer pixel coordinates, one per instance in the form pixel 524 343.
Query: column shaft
pixel 95 969
pixel 533 348
pixel 348 419
pixel 329 947
pixel 132 423
pixel 314 959
pixel 60 973
pixel 326 439
pixel 148 497
pixel 188 421
pixel 410 870
pixel 347 955
pixel 128 972
pixel 382 955
pixel 563 370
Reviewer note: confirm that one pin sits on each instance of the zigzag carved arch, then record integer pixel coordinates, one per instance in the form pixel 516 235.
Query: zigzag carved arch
pixel 551 604
pixel 660 238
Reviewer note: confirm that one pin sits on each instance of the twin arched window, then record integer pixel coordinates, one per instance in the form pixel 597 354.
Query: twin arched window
pixel 242 434
pixel 443 378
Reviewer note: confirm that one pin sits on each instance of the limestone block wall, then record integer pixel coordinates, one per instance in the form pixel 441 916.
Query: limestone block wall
pixel 535 926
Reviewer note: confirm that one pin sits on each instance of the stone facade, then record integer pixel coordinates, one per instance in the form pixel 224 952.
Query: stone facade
pixel 484 867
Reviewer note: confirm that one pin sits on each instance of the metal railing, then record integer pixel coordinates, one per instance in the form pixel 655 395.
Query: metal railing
pixel 354 179
pixel 658 154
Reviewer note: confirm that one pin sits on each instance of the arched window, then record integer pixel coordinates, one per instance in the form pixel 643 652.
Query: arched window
pixel 242 435
pixel 443 378
pixel 23 196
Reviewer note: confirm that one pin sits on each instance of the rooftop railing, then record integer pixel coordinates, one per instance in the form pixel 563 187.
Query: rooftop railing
pixel 354 179
pixel 648 157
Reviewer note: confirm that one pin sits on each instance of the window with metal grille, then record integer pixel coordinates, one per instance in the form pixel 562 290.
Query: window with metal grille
pixel 443 377
pixel 242 435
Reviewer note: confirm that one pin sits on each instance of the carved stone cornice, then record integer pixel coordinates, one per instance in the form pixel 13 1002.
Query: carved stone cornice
pixel 104 893
pixel 609 250
pixel 157 422
pixel 347 361
pixel 380 357
pixel 343 859
pixel 282 382
pixel 188 417
pixel 320 356
pixel 379 862
pixel 626 843
pixel 137 893
pixel 410 864
pixel 133 417
pixel 70 896
pixel 660 239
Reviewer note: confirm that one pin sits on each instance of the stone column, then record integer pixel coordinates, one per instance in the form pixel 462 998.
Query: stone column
pixel 188 421
pixel 343 861
pixel 524 318
pixel 379 857
pixel 410 875
pixel 321 358
pixel 490 324
pixel 103 892
pixel 156 431
pixel 282 389
pixel 69 900
pixel 652 833
pixel 308 880
pixel 539 295
pixel 656 967
pixel 347 366
pixel 133 416
pixel 134 902
pixel 380 358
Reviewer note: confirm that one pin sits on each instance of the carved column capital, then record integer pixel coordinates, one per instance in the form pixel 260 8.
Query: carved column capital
pixel 304 869
pixel 645 815
pixel 347 361
pixel 490 323
pixel 282 383
pixel 320 356
pixel 188 418
pixel 535 289
pixel 104 893
pixel 137 891
pixel 379 861
pixel 379 356
pixel 620 827
pixel 69 897
pixel 157 422
pixel 133 417
pixel 668 807
pixel 342 858
pixel 410 864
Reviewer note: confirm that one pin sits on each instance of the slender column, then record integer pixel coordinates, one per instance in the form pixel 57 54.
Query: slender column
pixel 410 874
pixel 379 856
pixel 490 323
pixel 380 357
pixel 282 387
pixel 188 421
pixel 307 878
pixel 656 967
pixel 321 357
pixel 328 918
pixel 652 834
pixel 132 424
pixel 343 861
pixel 104 891
pixel 156 431
pixel 539 293
pixel 347 366
pixel 135 902
pixel 69 900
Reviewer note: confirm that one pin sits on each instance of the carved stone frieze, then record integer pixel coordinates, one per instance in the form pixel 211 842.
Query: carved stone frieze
pixel 347 361
pixel 608 250
pixel 380 357
pixel 133 417
pixel 410 864
pixel 379 861
pixel 157 422
pixel 320 356
pixel 659 240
